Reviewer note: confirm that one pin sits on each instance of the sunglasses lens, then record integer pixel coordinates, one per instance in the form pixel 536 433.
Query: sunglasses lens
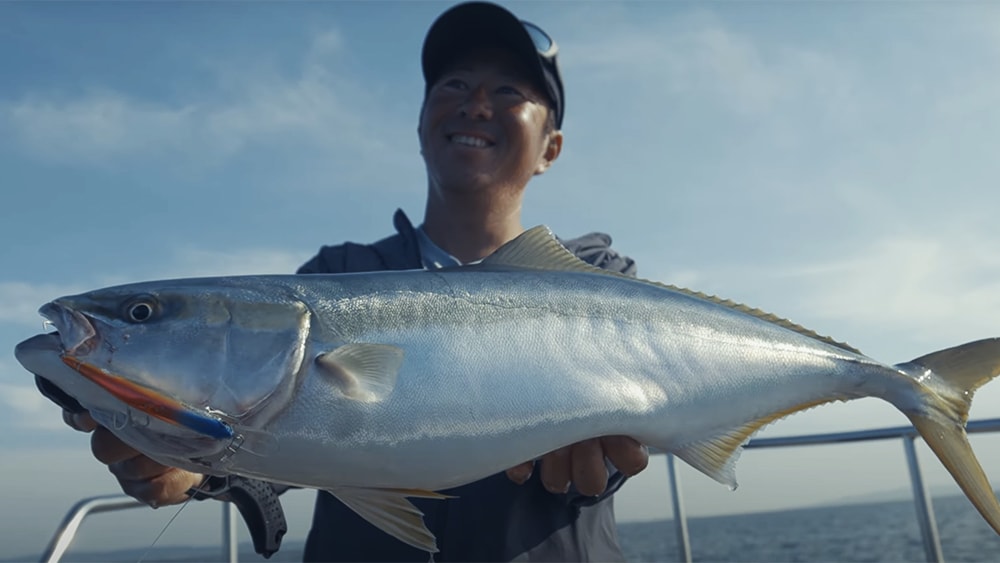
pixel 543 43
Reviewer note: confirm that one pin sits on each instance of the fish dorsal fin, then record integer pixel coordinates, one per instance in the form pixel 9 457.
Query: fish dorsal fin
pixel 391 512
pixel 364 372
pixel 764 315
pixel 538 248
pixel 717 455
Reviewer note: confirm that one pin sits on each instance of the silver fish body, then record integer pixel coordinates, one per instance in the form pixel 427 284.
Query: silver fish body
pixel 387 381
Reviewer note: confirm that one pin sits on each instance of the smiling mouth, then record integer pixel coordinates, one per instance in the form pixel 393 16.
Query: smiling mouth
pixel 470 141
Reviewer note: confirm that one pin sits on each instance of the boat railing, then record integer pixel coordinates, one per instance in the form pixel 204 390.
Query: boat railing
pixel 67 530
pixel 921 498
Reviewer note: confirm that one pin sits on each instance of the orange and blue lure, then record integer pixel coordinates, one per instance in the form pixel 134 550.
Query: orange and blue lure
pixel 152 402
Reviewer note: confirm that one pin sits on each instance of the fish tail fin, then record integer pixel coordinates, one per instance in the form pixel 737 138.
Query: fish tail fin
pixel 947 380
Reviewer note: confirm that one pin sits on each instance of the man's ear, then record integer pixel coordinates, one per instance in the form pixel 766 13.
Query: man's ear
pixel 552 150
pixel 420 123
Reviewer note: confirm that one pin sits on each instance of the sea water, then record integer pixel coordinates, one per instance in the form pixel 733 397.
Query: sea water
pixel 884 531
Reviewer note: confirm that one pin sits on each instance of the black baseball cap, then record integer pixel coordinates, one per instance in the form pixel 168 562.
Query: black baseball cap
pixel 483 24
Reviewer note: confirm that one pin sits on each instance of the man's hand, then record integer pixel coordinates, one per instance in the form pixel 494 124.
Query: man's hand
pixel 139 476
pixel 582 464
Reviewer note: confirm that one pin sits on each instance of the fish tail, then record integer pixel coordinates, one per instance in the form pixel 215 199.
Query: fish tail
pixel 947 380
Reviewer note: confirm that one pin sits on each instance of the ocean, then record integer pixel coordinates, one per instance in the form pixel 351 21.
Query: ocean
pixel 883 531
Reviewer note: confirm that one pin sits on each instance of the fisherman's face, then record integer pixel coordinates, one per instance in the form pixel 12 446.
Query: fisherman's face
pixel 484 125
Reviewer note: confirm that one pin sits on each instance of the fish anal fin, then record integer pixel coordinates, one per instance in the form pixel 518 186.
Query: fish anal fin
pixel 363 372
pixel 421 493
pixel 390 511
pixel 717 455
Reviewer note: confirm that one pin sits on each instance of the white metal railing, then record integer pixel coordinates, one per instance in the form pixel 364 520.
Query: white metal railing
pixel 925 511
pixel 67 530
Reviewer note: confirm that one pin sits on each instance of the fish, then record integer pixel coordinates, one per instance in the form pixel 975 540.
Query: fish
pixel 383 386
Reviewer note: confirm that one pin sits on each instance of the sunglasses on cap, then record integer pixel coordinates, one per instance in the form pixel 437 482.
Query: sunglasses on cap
pixel 544 44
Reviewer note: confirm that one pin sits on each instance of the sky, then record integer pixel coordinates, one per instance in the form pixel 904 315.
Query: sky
pixel 830 162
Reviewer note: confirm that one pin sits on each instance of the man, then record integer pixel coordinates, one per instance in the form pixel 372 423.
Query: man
pixel 490 121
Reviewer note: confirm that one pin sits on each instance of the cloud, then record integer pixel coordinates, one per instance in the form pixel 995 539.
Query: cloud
pixel 203 262
pixel 112 124
pixel 313 106
pixel 700 58
pixel 29 408
pixel 23 407
pixel 905 281
pixel 921 288
pixel 19 301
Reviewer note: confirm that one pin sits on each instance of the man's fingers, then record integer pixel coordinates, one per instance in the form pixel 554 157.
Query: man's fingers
pixel 138 468
pixel 521 472
pixel 628 455
pixel 590 475
pixel 170 487
pixel 556 471
pixel 79 421
pixel 108 449
pixel 139 476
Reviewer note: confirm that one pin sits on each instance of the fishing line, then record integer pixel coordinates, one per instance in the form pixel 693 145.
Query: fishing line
pixel 197 489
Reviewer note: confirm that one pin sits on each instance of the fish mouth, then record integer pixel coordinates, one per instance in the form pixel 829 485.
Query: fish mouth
pixel 40 343
pixel 76 333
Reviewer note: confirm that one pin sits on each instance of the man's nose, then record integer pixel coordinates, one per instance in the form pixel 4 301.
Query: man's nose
pixel 477 105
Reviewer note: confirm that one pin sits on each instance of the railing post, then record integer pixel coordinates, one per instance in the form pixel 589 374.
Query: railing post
pixel 66 531
pixel 925 511
pixel 680 519
pixel 230 544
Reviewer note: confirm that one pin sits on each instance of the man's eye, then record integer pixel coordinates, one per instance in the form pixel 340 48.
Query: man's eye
pixel 509 90
pixel 456 83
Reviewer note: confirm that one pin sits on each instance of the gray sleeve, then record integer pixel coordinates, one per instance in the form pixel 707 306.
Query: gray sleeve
pixel 595 249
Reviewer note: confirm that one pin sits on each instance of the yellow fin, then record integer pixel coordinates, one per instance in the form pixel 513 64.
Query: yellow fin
pixel 950 444
pixel 717 456
pixel 388 510
pixel 364 372
pixel 538 249
pixel 421 493
pixel 946 382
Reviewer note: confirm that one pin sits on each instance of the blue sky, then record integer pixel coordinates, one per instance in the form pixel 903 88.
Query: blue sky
pixel 831 162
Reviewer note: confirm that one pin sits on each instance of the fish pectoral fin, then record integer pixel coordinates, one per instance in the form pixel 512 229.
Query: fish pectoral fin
pixel 364 372
pixel 390 511
pixel 717 455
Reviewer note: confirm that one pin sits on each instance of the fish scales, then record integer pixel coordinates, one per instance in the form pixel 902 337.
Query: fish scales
pixel 579 353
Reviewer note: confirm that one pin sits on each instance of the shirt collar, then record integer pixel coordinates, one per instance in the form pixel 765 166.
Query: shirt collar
pixel 432 256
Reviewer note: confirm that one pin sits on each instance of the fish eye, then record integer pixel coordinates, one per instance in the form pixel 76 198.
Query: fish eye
pixel 140 310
